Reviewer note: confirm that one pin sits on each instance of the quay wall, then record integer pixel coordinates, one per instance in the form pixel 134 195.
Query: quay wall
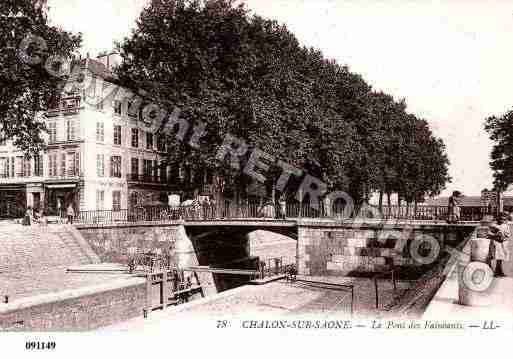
pixel 77 309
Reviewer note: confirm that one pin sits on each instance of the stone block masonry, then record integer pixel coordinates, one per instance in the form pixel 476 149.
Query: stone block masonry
pixel 115 243
pixel 346 249
pixel 77 309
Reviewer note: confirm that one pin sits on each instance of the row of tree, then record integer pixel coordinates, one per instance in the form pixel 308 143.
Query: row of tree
pixel 248 76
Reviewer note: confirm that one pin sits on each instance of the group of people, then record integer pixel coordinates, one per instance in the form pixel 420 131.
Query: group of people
pixel 207 208
pixel 497 231
pixel 39 216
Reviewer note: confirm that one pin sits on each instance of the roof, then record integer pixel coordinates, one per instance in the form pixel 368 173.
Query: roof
pixel 97 68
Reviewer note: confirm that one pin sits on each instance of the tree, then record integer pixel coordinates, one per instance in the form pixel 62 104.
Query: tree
pixel 27 87
pixel 500 130
pixel 247 76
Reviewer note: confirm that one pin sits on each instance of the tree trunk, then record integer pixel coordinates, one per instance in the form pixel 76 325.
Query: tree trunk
pixel 380 204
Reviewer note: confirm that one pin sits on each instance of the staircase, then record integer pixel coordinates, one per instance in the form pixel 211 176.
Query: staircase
pixel 35 249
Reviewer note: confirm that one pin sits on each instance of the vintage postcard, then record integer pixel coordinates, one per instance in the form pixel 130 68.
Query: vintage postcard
pixel 180 177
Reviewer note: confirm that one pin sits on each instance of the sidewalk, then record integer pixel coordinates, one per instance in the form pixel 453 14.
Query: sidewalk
pixel 445 303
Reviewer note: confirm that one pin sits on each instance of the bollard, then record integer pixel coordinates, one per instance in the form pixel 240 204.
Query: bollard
pixel 6 299
pixel 479 256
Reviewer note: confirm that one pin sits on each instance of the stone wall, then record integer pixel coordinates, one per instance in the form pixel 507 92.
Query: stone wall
pixel 114 244
pixel 78 309
pixel 354 250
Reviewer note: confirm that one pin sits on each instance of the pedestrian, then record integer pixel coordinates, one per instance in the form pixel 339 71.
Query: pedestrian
pixel 70 212
pixel 283 207
pixel 454 210
pixel 28 216
pixel 59 209
pixel 205 206
pixel 500 234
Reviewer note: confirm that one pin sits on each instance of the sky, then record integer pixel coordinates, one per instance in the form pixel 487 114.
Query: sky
pixel 450 60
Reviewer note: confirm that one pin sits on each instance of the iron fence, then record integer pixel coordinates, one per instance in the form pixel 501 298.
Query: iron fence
pixel 231 211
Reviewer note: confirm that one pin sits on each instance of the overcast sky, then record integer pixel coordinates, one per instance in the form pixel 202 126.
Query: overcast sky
pixel 451 60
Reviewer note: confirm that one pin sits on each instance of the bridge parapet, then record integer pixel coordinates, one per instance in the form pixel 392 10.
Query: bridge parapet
pixel 345 249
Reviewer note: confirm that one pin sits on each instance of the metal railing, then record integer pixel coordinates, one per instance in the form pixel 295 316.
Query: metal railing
pixel 146 178
pixel 64 110
pixel 174 288
pixel 341 287
pixel 231 211
pixel 383 276
pixel 438 213
pixel 276 266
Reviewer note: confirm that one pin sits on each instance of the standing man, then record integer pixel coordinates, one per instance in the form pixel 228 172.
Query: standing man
pixel 70 212
pixel 453 207
pixel 283 207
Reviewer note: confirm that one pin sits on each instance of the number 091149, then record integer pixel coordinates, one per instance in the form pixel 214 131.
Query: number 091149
pixel 40 345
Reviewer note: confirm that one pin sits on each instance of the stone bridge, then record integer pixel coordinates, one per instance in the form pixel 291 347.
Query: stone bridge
pixel 324 246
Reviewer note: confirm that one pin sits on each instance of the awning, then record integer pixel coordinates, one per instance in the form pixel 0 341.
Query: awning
pixel 8 188
pixel 62 185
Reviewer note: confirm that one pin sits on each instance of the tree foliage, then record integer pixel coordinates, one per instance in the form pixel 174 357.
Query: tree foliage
pixel 500 130
pixel 27 88
pixel 248 76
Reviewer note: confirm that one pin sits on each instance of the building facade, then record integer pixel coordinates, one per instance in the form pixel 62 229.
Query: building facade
pixel 99 155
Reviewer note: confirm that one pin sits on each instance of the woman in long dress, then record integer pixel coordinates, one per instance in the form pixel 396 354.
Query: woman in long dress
pixel 499 245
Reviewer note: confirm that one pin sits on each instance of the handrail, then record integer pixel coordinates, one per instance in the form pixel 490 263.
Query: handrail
pixel 224 211
pixel 382 276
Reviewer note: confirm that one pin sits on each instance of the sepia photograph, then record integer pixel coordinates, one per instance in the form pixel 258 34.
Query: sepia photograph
pixel 184 175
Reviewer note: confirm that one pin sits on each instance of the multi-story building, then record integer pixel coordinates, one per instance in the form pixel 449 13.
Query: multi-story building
pixel 98 156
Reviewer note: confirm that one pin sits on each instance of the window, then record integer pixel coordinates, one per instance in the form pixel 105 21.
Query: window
pixel 149 140
pixel 72 165
pixel 163 172
pixel 52 164
pixel 134 166
pixel 156 169
pixel 100 133
pixel 117 107
pixel 100 199
pixel 38 166
pixel 26 167
pixel 116 200
pixel 70 130
pixel 4 167
pixel 19 166
pixel 115 166
pixel 135 137
pixel 133 199
pixel 147 164
pixel 117 135
pixel 63 164
pixel 161 143
pixel 71 103
pixel 100 165
pixel 52 128
pixel 132 109
pixel 77 163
